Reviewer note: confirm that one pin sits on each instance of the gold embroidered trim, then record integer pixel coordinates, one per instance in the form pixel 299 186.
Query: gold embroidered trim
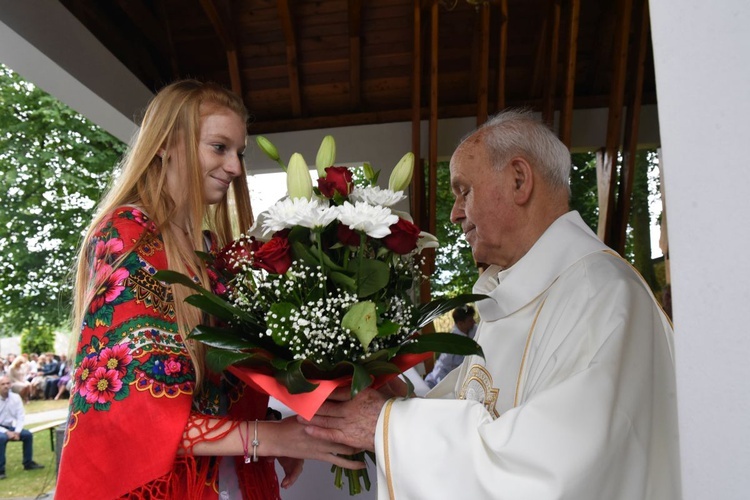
pixel 526 352
pixel 386 451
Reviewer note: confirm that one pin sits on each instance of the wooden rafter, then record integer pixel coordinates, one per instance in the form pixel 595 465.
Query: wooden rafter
pixel 432 184
pixel 566 109
pixel 292 64
pixel 550 87
pixel 418 191
pixel 151 28
pixel 355 53
pixel 484 63
pixel 614 119
pixel 632 121
pixel 539 66
pixel 227 41
pixel 502 55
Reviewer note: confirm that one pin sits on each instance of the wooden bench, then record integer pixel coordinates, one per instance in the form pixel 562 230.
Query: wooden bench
pixel 51 425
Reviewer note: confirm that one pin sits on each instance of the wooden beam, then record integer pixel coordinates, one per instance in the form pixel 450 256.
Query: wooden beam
pixel 418 185
pixel 432 161
pixel 355 53
pixel 149 25
pixel 632 123
pixel 292 64
pixel 484 63
pixel 227 41
pixel 566 110
pixel 539 57
pixel 550 88
pixel 502 55
pixel 614 119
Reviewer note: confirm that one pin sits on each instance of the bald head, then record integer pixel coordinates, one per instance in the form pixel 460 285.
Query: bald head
pixel 510 179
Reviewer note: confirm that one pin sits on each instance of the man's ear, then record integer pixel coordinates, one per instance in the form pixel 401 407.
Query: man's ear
pixel 523 179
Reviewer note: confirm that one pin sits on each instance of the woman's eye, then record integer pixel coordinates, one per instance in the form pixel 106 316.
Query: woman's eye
pixel 219 148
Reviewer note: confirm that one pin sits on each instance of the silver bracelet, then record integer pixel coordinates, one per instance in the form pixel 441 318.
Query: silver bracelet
pixel 255 442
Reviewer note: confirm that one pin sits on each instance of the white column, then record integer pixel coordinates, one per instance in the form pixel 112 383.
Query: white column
pixel 702 59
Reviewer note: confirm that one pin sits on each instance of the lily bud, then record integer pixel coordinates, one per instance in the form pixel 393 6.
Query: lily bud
pixel 268 148
pixel 401 175
pixel 368 170
pixel 326 155
pixel 298 180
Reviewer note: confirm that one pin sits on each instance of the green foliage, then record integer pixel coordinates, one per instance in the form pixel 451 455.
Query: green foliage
pixel 38 339
pixel 54 165
pixel 455 270
pixel 583 191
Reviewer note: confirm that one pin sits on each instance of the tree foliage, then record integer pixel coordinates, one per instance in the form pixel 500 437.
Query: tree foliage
pixel 38 339
pixel 54 165
pixel 455 270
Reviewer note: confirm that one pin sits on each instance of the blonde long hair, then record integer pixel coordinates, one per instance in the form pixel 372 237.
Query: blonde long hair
pixel 173 118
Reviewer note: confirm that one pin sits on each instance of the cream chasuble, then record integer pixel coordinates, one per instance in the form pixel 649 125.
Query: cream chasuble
pixel 575 399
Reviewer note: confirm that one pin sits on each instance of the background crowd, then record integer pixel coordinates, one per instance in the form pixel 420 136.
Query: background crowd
pixel 37 376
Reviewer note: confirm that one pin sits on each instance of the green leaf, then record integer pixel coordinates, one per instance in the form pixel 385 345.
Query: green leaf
pixel 442 342
pixel 294 380
pixel 327 262
pixel 229 311
pixel 432 310
pixel 361 380
pixel 205 256
pixel 222 338
pixel 345 281
pixel 372 275
pixel 388 328
pixel 362 320
pixel 302 253
pixel 218 360
pixel 381 368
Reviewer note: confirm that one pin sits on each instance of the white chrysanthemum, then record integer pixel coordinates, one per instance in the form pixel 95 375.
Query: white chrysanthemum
pixel 285 213
pixel 374 195
pixel 373 220
pixel 317 215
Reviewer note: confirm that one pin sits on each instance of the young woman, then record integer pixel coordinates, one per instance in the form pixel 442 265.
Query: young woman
pixel 147 420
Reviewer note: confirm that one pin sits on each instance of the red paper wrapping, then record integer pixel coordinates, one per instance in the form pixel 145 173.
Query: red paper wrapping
pixel 307 403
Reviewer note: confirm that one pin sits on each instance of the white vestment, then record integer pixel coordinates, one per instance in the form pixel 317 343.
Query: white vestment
pixel 575 400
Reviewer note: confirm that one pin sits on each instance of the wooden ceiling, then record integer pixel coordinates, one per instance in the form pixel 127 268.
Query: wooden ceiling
pixel 302 64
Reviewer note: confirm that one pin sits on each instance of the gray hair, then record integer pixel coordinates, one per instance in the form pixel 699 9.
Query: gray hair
pixel 515 132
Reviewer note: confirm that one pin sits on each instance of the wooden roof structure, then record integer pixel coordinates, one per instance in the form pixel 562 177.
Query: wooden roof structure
pixel 305 64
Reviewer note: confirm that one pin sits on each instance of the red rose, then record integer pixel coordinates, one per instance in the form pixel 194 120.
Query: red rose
pixel 275 256
pixel 403 237
pixel 236 252
pixel 336 179
pixel 347 236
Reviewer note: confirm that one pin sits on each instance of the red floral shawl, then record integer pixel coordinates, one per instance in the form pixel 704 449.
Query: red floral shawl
pixel 134 381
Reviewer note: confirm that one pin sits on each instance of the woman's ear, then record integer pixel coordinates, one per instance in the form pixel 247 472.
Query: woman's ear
pixel 523 178
pixel 161 153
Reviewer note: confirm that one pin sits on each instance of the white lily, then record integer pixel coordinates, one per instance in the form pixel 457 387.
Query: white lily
pixel 426 240
pixel 326 155
pixel 402 172
pixel 298 180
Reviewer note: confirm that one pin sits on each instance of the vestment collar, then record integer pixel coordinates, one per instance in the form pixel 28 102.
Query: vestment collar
pixel 565 242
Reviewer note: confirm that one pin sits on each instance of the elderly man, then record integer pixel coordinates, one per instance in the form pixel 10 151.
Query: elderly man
pixel 575 397
pixel 11 427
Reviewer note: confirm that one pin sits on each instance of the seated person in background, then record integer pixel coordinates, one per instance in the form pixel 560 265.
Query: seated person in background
pixel 51 380
pixel 463 317
pixel 17 373
pixel 11 427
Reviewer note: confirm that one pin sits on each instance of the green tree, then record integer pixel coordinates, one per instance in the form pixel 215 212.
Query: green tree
pixel 54 165
pixel 38 339
pixel 455 270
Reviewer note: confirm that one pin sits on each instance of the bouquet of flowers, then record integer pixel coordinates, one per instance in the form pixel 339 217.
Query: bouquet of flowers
pixel 321 292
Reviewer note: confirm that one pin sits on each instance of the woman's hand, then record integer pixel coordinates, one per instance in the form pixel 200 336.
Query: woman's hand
pixel 288 439
pixel 292 469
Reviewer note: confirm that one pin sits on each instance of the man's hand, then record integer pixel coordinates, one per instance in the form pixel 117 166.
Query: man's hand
pixel 13 436
pixel 350 422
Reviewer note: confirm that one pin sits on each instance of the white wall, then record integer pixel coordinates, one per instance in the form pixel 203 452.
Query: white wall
pixel 702 56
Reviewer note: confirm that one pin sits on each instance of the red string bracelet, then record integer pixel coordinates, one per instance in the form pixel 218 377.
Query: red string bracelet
pixel 245 439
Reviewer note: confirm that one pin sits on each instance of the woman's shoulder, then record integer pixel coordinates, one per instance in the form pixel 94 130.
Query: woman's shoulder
pixel 126 219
